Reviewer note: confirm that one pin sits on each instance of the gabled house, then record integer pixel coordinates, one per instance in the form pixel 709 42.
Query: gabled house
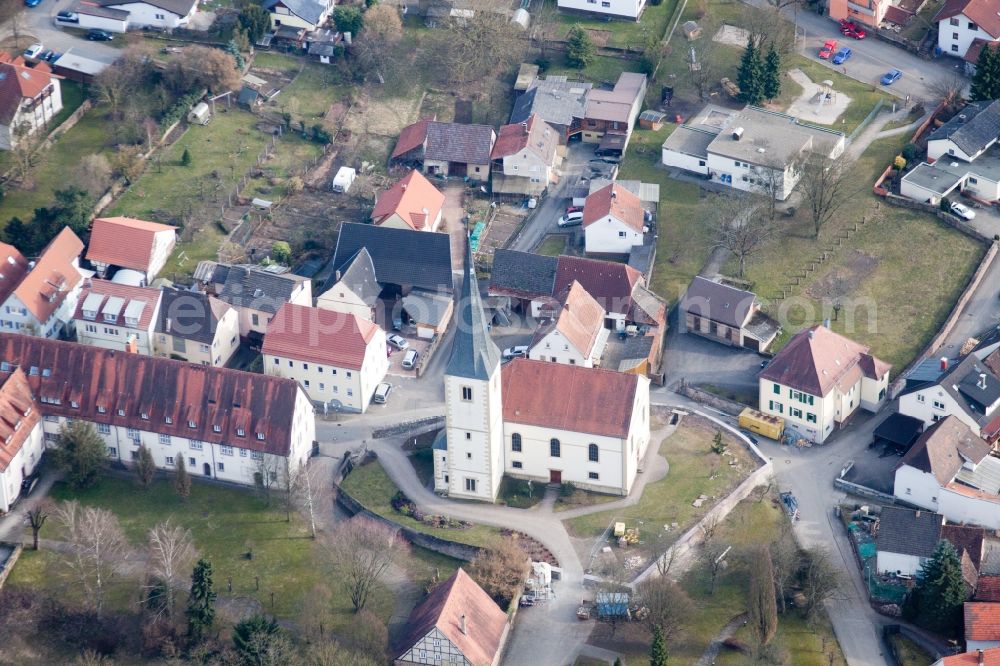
pixel 457 623
pixel 256 292
pixel 557 101
pixel 906 539
pixel 411 203
pixel 45 298
pixel 338 358
pixel 22 441
pixel 614 112
pixel 982 626
pixel 446 149
pixel 868 12
pixel 972 55
pixel 195 327
pixel 819 380
pixel 752 149
pixel 961 22
pixel 226 424
pixel 989 657
pixel 629 10
pixel 968 390
pixel 164 14
pixel 613 221
pixel 726 314
pixel 305 14
pixel 355 289
pixel 574 333
pixel 125 242
pixel 117 316
pixel 30 97
pixel 524 157
pixel 950 470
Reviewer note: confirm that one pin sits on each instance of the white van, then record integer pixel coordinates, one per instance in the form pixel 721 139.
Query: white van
pixel 381 393
pixel 410 360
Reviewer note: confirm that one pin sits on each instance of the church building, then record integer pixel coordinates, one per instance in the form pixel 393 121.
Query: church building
pixel 536 420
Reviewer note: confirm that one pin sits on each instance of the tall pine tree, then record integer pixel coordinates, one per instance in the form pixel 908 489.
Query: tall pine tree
pixel 986 81
pixel 772 74
pixel 750 75
pixel 936 602
pixel 658 649
pixel 201 602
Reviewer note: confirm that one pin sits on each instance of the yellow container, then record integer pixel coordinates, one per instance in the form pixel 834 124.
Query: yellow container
pixel 767 425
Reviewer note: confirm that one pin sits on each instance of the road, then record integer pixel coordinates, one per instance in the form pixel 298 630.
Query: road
pixel 38 22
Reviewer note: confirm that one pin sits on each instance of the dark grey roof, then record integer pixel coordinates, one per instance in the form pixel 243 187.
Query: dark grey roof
pixel 455 142
pixel 474 355
pixel 400 256
pixel 178 7
pixel 555 100
pixel 908 532
pixel 359 277
pixel 960 382
pixel 102 12
pixel 973 128
pixel 247 96
pixel 254 287
pixel 928 370
pixel 899 429
pixel 981 389
pixel 523 274
pixel 718 302
pixel 190 315
pixel 309 10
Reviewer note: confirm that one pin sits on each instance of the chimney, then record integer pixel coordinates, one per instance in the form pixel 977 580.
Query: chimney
pixel 524 126
pixel 462 624
pixel 918 514
pixel 810 334
pixel 944 363
pixel 982 381
pixel 337 276
pixel 168 324
pixel 614 193
pixel 737 133
pixel 982 657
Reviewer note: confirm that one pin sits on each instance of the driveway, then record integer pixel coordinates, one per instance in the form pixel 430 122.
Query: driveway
pixel 453 214
pixel 39 21
pixel 701 361
pixel 543 220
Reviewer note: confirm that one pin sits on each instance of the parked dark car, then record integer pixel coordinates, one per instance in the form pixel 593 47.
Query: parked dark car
pixel 28 484
pixel 96 35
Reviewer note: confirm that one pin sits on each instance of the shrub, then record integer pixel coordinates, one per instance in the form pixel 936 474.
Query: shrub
pixel 567 489
pixel 909 152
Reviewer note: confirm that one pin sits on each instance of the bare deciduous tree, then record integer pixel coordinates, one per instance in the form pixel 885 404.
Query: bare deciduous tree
pixel 950 88
pixel 115 84
pixel 824 187
pixel 766 26
pixel 501 569
pixel 713 557
pixel 376 45
pixel 316 613
pixel 171 556
pixel 329 653
pixel 97 548
pixel 37 515
pixel 786 561
pixel 668 606
pixel 202 67
pixel 485 43
pixel 362 550
pixel 708 69
pixel 265 471
pixel 820 579
pixel 762 611
pixel 93 173
pixel 23 148
pixel 740 226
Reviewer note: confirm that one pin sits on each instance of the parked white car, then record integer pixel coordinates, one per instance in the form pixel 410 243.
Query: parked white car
pixel 34 51
pixel 571 219
pixel 397 341
pixel 410 360
pixel 382 393
pixel 962 211
pixel 515 351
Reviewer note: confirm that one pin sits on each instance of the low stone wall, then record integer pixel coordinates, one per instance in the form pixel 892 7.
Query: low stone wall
pixel 715 401
pixel 681 553
pixel 863 491
pixel 459 551
pixel 8 566
pixel 401 428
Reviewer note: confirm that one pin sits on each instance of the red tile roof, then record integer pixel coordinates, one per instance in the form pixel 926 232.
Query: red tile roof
pixel 982 621
pixel 13 268
pixel 533 132
pixel 578 317
pixel 989 657
pixel 988 589
pixel 96 379
pixel 966 538
pixel 413 198
pixel 411 138
pixel 444 609
pixel 942 449
pixel 972 55
pixel 610 283
pixel 148 297
pixel 20 82
pixel 817 359
pixel 568 397
pixel 616 201
pixel 982 12
pixel 124 241
pixel 44 288
pixel 18 415
pixel 319 336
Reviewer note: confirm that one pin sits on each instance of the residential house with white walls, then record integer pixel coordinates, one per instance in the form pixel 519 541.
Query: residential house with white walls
pixel 906 539
pixel 613 221
pixel 608 9
pixel 195 327
pixel 257 292
pixel 727 314
pixel 22 442
pixel 525 157
pixel 962 22
pixel 819 380
pixel 988 657
pixel 162 14
pixel 30 98
pixel 229 425
pixel 305 14
pixel 950 470
pixel 574 332
pixel 44 301
pixel 412 202
pixel 338 358
pixel 982 625
pixel 125 242
pixel 355 289
pixel 117 316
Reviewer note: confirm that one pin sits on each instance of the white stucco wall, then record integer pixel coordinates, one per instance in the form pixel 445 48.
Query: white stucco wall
pixel 955 40
pixel 610 236
pixel 959 508
pixel 898 563
pixel 931 404
pixel 20 466
pixel 617 8
pixel 225 344
pixel 101 23
pixel 824 408
pixel 693 163
pixel 475 436
pixel 163 245
pixel 141 14
pixel 108 336
pixel 945 148
pixel 339 298
pixel 918 488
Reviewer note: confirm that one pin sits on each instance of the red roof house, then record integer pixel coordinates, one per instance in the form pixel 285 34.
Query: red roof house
pixel 411 203
pixel 125 242
pixel 613 220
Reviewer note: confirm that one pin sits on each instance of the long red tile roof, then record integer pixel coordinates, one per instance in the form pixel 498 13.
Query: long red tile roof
pixel 13 268
pixel 124 241
pixel 150 299
pixel 155 394
pixel 44 288
pixel 982 621
pixel 319 336
pixel 616 201
pixel 18 415
pixel 989 657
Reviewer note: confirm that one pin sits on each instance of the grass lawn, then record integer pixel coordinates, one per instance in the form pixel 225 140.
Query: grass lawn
pixel 694 471
pixel 898 291
pixel 552 246
pixel 370 485
pixel 55 167
pixel 518 494
pixel 580 498
pixel 683 241
pixel 909 653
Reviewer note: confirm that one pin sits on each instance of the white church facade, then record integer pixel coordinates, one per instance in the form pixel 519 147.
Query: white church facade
pixel 537 420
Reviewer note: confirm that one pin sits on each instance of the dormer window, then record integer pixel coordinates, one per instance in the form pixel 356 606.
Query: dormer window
pixel 27 412
pixel 216 428
pixel 121 412
pixel 33 371
pixel 167 420
pixel 101 410
pixel 5 367
pixel 240 432
pixel 110 318
pixel 260 436
pixel 46 372
pixel 144 416
pixel 74 404
pixel 191 424
pixel 133 323
pixel 90 314
pixel 17 426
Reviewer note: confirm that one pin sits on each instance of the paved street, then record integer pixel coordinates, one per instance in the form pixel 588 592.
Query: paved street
pixel 38 21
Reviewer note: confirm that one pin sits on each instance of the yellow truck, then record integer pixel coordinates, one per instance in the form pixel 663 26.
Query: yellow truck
pixel 766 425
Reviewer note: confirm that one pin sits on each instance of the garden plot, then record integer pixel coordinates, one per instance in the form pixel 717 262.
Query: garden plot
pixel 731 35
